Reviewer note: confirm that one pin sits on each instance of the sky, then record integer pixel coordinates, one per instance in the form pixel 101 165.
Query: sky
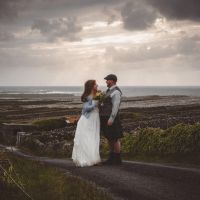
pixel 66 42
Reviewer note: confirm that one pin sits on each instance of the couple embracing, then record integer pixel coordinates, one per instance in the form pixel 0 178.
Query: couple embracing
pixel 98 115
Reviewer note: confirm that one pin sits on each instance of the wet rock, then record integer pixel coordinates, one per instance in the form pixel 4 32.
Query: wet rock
pixel 38 143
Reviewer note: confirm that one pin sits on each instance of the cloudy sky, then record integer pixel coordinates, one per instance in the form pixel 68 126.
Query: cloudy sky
pixel 65 42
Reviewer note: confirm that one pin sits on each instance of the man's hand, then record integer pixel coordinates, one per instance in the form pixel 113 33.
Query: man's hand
pixel 110 123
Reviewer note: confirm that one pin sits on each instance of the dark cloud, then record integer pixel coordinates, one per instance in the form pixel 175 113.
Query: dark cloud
pixel 137 13
pixel 75 4
pixel 178 9
pixel 111 14
pixel 62 28
pixel 141 14
pixel 138 16
pixel 9 9
pixel 6 36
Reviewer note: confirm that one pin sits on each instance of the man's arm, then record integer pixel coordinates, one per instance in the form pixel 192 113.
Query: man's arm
pixel 116 99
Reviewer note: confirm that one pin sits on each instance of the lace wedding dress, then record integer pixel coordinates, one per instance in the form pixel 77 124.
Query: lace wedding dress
pixel 87 139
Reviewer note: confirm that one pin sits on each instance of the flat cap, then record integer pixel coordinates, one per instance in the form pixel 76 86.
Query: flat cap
pixel 111 77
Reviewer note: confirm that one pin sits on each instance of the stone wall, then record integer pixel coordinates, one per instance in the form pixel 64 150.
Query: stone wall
pixel 8 132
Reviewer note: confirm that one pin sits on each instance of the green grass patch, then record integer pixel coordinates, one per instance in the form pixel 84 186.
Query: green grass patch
pixel 3 120
pixel 43 182
pixel 51 153
pixel 130 115
pixel 50 124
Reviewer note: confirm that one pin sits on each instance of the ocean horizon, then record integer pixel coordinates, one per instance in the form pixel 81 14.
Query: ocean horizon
pixel 127 90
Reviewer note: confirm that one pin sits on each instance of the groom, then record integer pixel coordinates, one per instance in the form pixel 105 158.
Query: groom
pixel 110 121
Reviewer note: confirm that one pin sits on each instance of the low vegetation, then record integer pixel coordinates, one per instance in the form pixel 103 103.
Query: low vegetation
pixel 130 115
pixel 180 143
pixel 50 124
pixel 43 182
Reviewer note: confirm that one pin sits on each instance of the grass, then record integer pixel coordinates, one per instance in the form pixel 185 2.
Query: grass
pixel 42 182
pixel 50 124
pixel 3 120
pixel 130 115
pixel 51 153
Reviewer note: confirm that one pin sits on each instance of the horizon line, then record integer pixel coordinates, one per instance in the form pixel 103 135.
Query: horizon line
pixel 99 85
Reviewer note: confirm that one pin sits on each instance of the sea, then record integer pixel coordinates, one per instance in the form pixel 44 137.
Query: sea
pixel 129 91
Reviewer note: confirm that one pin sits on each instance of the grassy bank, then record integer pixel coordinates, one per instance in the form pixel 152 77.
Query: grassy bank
pixel 180 144
pixel 43 182
pixel 49 124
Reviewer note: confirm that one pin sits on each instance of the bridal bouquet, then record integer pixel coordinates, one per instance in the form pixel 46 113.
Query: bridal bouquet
pixel 100 96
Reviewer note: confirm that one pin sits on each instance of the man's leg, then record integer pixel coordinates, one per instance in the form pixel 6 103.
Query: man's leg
pixel 111 145
pixel 117 151
pixel 117 146
pixel 110 159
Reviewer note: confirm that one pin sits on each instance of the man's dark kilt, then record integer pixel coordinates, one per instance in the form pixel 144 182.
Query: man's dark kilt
pixel 112 132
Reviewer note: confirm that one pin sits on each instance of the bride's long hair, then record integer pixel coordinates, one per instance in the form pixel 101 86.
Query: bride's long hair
pixel 88 87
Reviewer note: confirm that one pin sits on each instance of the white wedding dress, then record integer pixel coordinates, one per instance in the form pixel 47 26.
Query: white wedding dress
pixel 87 139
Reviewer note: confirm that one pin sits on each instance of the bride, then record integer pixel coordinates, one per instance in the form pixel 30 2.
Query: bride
pixel 87 135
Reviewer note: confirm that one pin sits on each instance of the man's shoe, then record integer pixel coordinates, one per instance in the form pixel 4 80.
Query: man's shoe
pixel 117 159
pixel 110 159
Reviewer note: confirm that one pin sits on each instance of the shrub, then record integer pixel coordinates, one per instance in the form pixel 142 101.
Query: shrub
pixel 180 139
pixel 183 138
pixel 129 142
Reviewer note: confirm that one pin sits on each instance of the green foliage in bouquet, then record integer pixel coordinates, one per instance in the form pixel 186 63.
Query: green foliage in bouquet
pixel 100 96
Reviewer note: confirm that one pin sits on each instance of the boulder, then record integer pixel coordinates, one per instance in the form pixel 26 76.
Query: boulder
pixel 38 143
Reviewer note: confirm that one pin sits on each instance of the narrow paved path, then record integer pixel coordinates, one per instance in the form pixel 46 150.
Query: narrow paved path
pixel 134 180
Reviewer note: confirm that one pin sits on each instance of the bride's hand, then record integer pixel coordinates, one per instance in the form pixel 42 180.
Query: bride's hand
pixel 96 102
